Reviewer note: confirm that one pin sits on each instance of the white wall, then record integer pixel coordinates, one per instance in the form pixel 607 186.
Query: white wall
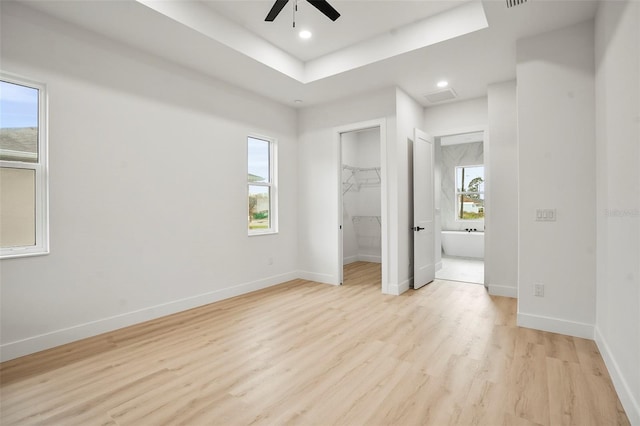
pixel 456 117
pixel 410 115
pixel 617 38
pixel 319 174
pixel 437 200
pixel 555 73
pixel 147 189
pixel 501 160
pixel 318 160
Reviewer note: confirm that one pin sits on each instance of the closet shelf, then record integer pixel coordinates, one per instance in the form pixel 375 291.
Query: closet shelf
pixel 359 177
pixel 358 219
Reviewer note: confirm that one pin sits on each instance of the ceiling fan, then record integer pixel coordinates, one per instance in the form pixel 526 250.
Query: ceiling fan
pixel 322 5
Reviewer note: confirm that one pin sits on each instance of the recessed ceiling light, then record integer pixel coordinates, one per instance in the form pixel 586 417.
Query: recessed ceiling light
pixel 297 101
pixel 442 84
pixel 305 34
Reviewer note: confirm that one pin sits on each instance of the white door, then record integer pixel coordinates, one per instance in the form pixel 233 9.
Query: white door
pixel 424 258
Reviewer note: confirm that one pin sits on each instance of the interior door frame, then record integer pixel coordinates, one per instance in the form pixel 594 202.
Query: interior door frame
pixel 487 191
pixel 381 124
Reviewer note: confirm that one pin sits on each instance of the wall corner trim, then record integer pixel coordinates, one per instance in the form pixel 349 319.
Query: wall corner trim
pixel 503 290
pixel 398 289
pixel 629 403
pixel 556 325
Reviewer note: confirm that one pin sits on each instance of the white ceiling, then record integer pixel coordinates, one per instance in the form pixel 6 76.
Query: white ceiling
pixel 359 21
pixel 374 44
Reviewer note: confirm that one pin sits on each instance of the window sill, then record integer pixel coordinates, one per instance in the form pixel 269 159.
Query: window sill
pixel 17 253
pixel 259 233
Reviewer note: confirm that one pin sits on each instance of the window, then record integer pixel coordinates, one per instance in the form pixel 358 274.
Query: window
pixel 261 185
pixel 470 193
pixel 23 168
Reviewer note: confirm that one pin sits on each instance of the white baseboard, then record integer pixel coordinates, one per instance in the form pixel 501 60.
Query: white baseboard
pixel 556 325
pixel 503 290
pixel 369 258
pixel 55 338
pixel 438 266
pixel 362 258
pixel 318 277
pixel 392 288
pixel 350 259
pixel 406 285
pixel 629 403
pixel 397 289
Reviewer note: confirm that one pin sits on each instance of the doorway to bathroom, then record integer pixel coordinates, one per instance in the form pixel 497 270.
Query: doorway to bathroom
pixel 461 171
pixel 361 180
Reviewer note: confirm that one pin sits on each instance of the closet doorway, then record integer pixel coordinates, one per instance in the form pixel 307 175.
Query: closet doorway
pixel 362 207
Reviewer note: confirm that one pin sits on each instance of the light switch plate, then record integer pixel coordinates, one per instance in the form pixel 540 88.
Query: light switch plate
pixel 546 215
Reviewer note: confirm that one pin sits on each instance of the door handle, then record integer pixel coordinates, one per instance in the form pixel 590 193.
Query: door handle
pixel 418 228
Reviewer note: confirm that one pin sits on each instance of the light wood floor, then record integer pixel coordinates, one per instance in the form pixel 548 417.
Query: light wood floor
pixel 313 354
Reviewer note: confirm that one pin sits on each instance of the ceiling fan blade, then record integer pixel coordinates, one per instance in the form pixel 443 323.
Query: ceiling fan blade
pixel 275 10
pixel 324 7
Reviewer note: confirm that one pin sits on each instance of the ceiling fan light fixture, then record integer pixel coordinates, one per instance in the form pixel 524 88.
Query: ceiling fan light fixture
pixel 322 5
pixel 305 34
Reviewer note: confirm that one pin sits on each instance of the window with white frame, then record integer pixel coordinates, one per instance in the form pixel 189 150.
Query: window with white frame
pixel 23 168
pixel 261 185
pixel 469 193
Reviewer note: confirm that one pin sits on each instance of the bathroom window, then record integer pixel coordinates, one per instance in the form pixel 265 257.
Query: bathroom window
pixel 23 168
pixel 261 185
pixel 469 193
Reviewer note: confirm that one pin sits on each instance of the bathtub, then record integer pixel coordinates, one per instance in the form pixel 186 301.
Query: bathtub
pixel 463 244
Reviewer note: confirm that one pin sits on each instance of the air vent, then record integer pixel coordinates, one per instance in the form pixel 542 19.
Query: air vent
pixel 441 96
pixel 513 3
